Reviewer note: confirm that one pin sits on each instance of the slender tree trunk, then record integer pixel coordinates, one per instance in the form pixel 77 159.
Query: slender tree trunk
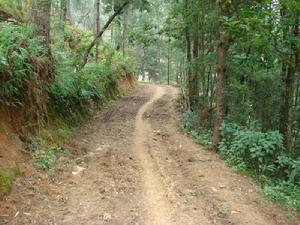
pixel 288 92
pixel 63 18
pixel 112 27
pixel 41 19
pixel 195 80
pixel 221 76
pixel 97 27
pixel 69 18
pixel 168 59
pixel 37 93
pixel 189 74
pixel 125 31
pixel 63 9
pixel 143 64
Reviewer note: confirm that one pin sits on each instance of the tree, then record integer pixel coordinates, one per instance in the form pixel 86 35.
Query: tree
pixel 221 72
pixel 188 54
pixel 41 18
pixel 97 26
pixel 289 69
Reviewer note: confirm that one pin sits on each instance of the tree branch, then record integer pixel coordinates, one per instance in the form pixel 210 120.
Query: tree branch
pixel 88 50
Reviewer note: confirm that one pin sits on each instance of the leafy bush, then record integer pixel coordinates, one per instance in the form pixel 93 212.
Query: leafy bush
pixel 262 155
pixel 72 93
pixel 45 158
pixel 289 168
pixel 285 193
pixel 189 120
pixel 19 50
pixel 189 125
pixel 251 149
pixel 202 137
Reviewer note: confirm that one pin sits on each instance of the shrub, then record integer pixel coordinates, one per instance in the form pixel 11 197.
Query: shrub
pixel 202 137
pixel 285 193
pixel 189 125
pixel 45 158
pixel 189 120
pixel 251 149
pixel 19 50
pixel 72 93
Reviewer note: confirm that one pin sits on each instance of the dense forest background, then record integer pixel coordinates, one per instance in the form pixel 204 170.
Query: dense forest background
pixel 236 62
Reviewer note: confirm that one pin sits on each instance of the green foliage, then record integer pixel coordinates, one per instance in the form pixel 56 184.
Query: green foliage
pixel 45 158
pixel 285 193
pixel 250 148
pixel 72 94
pixel 190 126
pixel 13 9
pixel 189 120
pixel 261 154
pixel 202 137
pixel 19 50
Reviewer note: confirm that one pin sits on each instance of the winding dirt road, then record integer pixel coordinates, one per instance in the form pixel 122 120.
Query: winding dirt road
pixel 139 169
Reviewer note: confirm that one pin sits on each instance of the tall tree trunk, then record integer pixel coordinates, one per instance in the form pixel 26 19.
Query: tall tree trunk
pixel 63 18
pixel 69 18
pixel 195 80
pixel 289 84
pixel 125 31
pixel 143 64
pixel 112 27
pixel 97 27
pixel 189 74
pixel 37 94
pixel 168 60
pixel 221 75
pixel 41 19
pixel 63 9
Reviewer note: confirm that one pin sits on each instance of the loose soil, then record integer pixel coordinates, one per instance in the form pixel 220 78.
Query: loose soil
pixel 132 165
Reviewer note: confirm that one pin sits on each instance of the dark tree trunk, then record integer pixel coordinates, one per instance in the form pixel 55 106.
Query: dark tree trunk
pixel 221 76
pixel 289 69
pixel 63 8
pixel 37 94
pixel 69 18
pixel 97 27
pixel 195 80
pixel 41 19
pixel 189 74
pixel 168 59
pixel 143 64
pixel 288 91
pixel 125 31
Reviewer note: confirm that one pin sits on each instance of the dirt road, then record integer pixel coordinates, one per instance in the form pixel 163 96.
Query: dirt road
pixel 139 169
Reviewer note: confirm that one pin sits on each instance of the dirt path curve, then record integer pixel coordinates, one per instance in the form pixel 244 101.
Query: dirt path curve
pixel 138 169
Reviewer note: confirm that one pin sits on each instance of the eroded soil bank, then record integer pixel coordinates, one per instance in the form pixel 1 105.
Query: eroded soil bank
pixel 137 168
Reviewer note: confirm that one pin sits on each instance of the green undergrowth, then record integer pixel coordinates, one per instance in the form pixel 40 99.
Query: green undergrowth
pixel 12 9
pixel 258 154
pixel 190 125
